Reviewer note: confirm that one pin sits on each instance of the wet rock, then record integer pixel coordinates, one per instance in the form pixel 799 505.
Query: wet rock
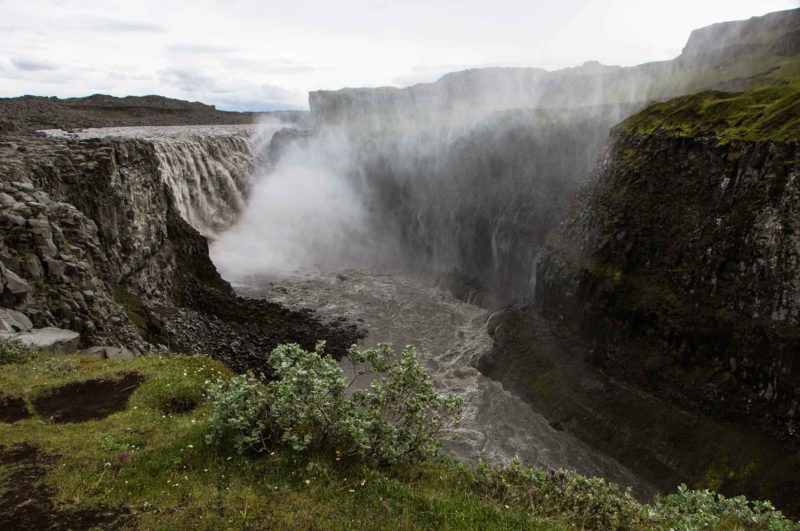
pixel 32 268
pixel 6 200
pixel 55 269
pixel 28 187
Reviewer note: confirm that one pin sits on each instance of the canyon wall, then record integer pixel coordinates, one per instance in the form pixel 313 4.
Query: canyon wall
pixel 726 56
pixel 477 205
pixel 690 246
pixel 664 328
pixel 96 240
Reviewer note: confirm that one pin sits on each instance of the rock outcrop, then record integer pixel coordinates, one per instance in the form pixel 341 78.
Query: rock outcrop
pixel 48 339
pixel 95 241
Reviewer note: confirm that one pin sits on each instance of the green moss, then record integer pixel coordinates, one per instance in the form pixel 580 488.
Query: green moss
pixel 140 316
pixel 721 474
pixel 763 113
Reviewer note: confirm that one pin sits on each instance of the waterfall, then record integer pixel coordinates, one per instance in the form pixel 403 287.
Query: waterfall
pixel 209 175
pixel 209 168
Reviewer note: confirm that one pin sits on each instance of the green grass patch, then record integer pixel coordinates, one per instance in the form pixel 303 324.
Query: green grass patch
pixel 763 113
pixel 158 465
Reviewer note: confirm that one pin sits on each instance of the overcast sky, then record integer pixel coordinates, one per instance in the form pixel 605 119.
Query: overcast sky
pixel 258 55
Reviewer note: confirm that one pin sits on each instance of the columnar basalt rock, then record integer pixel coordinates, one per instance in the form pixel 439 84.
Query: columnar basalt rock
pixel 683 259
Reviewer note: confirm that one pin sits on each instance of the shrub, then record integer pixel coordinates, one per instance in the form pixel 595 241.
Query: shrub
pixel 14 351
pixel 702 509
pixel 309 405
pixel 240 413
pixel 61 366
pixel 594 503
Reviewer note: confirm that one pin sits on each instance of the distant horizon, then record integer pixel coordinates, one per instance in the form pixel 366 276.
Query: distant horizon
pixel 294 109
pixel 248 56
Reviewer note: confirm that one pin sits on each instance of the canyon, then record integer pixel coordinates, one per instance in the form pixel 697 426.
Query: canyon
pixel 602 261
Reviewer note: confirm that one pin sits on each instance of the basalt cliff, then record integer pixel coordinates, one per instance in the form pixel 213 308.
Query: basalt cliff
pixel 100 237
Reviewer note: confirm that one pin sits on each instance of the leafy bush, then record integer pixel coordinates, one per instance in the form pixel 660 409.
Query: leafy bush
pixel 14 351
pixel 702 509
pixel 310 405
pixel 593 503
pixel 61 366
pixel 240 413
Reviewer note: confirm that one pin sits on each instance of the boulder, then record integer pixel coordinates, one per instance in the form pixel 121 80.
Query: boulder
pixel 50 339
pixel 6 200
pixel 14 321
pixel 14 283
pixel 104 352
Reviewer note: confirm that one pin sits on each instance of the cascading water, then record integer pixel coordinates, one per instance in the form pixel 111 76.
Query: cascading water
pixel 209 176
pixel 209 169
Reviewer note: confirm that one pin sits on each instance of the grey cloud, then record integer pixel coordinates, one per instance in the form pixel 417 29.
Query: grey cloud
pixel 32 65
pixel 245 104
pixel 129 26
pixel 286 68
pixel 202 49
pixel 191 81
pixel 273 65
pixel 232 94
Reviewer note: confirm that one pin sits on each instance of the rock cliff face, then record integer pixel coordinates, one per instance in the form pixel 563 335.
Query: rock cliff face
pixel 775 33
pixel 683 264
pixel 678 269
pixel 95 240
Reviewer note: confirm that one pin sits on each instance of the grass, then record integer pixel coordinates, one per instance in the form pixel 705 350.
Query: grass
pixel 154 461
pixel 159 465
pixel 760 114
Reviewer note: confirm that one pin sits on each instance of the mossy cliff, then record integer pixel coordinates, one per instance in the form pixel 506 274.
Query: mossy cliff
pixel 682 258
